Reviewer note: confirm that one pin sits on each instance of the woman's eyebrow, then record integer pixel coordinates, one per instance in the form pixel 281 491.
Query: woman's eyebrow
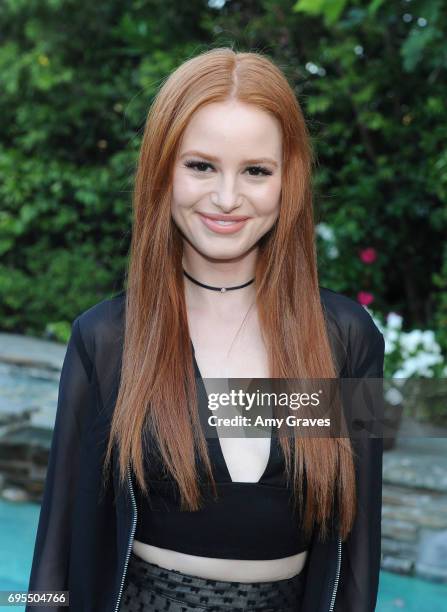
pixel 246 161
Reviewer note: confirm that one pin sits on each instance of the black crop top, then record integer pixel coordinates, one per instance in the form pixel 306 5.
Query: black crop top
pixel 249 520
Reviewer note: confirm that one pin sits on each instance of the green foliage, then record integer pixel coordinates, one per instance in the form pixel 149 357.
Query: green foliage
pixel 59 331
pixel 330 10
pixel 77 80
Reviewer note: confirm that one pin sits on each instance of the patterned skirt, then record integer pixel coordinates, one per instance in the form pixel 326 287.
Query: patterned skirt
pixel 149 587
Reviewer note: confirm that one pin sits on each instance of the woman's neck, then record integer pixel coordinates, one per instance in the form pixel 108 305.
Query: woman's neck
pixel 219 273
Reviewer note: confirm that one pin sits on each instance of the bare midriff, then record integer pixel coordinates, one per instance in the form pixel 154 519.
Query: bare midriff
pixel 232 570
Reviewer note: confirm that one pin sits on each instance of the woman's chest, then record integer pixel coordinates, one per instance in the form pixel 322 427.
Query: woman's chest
pixel 232 348
pixel 224 350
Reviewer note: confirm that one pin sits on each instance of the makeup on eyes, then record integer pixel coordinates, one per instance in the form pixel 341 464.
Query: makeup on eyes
pixel 195 164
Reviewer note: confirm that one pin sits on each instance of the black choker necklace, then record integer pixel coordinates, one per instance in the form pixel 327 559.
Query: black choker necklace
pixel 221 289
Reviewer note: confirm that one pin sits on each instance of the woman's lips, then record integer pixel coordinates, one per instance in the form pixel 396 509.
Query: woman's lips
pixel 230 227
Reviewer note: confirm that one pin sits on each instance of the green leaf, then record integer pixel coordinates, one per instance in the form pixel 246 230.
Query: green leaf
pixel 330 10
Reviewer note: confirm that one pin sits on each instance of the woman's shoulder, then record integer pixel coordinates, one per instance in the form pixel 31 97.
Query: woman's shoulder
pixel 350 316
pixel 351 329
pixel 102 325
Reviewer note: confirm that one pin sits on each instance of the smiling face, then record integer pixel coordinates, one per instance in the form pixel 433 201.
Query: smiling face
pixel 228 166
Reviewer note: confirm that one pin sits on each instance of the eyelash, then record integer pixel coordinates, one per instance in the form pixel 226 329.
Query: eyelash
pixel 194 165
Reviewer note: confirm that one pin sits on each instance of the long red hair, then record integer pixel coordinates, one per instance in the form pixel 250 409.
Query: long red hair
pixel 157 376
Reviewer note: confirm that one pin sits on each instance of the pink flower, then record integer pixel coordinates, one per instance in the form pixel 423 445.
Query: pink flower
pixel 365 298
pixel 368 255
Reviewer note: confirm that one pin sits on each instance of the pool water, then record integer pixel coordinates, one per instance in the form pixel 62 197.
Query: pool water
pixel 18 525
pixel 410 594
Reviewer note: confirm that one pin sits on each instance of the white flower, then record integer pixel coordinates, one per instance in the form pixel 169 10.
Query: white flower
pixel 325 231
pixel 394 321
pixel 402 373
pixel 392 335
pixel 417 351
pixel 393 396
pixel 391 338
pixel 418 365
pixel 332 251
pixel 429 342
pixel 410 340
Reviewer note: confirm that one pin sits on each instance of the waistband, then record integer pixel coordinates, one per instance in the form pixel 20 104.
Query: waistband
pixel 273 596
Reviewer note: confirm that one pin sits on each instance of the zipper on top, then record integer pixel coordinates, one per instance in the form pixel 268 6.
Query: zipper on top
pixel 132 534
pixel 337 577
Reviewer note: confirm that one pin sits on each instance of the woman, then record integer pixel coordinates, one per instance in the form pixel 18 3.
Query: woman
pixel 140 509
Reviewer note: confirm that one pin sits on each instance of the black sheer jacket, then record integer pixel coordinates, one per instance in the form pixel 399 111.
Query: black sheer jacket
pixel 85 534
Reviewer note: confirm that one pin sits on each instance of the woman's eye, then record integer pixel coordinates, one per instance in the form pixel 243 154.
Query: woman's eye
pixel 202 166
pixel 263 171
